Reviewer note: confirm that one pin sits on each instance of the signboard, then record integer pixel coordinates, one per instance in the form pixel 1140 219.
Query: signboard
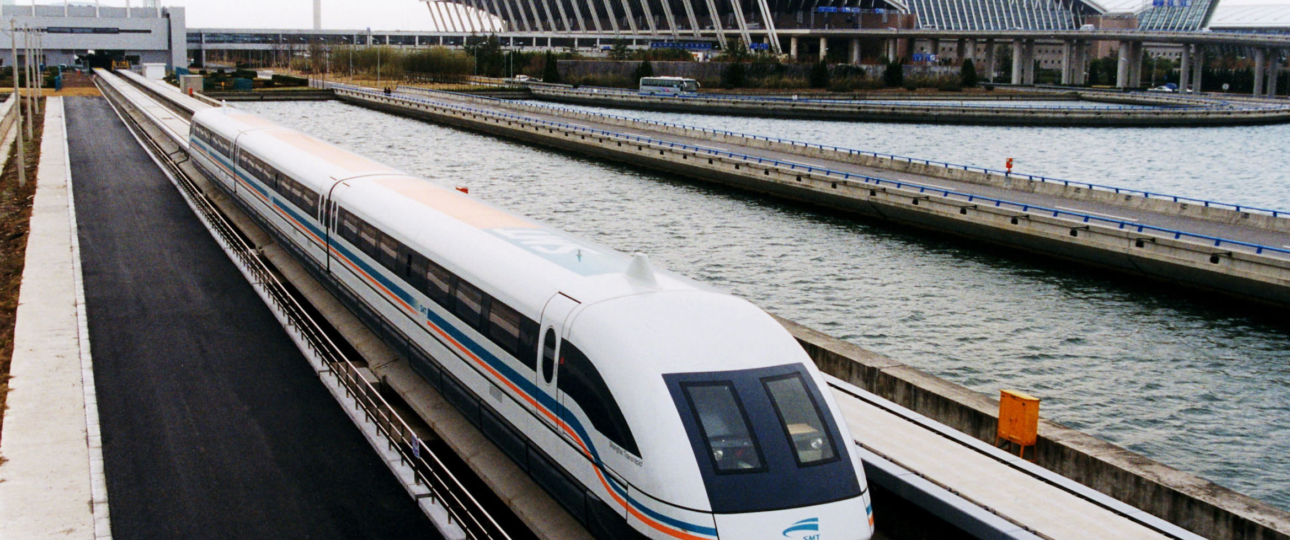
pixel 759 46
pixel 832 9
pixel 826 9
pixel 686 45
pixel 918 57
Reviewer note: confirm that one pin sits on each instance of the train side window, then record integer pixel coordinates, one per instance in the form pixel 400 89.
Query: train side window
pixel 580 381
pixel 528 342
pixel 504 327
pixel 367 240
pixel 417 271
pixel 800 417
pixel 725 428
pixel 389 254
pixel 470 303
pixel 548 355
pixel 438 284
pixel 348 227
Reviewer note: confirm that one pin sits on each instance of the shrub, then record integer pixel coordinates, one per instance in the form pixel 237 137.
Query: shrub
pixel 968 74
pixel 643 70
pixel 819 75
pixel 551 72
pixel 734 76
pixel 894 75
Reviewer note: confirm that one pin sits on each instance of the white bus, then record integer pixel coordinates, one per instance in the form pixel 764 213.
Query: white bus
pixel 668 85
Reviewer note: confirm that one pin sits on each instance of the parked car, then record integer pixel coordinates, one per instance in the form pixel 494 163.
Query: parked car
pixel 1167 87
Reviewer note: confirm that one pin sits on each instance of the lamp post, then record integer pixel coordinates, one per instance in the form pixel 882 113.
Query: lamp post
pixel 17 94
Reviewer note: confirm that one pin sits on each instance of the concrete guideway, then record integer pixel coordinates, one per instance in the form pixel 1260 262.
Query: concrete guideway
pixel 53 482
pixel 214 426
pixel 1254 271
pixel 989 478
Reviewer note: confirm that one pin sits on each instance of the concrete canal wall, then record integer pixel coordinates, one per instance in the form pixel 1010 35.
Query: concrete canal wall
pixel 1269 113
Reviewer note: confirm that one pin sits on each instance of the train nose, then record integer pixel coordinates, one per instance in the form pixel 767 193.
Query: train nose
pixel 851 519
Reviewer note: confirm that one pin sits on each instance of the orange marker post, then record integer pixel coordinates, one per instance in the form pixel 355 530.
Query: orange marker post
pixel 1018 420
pixel 1009 165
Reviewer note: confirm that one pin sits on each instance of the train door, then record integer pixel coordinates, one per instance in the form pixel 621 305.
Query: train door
pixel 554 317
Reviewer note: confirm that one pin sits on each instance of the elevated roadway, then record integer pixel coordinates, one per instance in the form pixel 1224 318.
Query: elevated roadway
pixel 1203 244
pixel 979 491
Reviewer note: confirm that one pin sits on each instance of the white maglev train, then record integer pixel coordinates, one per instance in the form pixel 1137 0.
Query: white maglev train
pixel 668 85
pixel 649 405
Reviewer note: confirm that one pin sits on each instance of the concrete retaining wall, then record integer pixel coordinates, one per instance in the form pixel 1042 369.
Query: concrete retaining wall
pixel 872 112
pixel 1074 190
pixel 1191 502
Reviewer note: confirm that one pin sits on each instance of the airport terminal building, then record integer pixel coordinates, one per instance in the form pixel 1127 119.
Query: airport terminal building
pixel 73 32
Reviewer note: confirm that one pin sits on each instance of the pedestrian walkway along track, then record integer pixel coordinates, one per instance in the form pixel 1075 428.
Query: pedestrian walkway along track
pixel 1192 244
pixel 442 495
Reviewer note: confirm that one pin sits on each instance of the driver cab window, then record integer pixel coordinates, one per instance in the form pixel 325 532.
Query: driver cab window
pixel 732 447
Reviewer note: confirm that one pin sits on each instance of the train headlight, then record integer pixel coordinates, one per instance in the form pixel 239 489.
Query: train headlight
pixel 718 454
pixel 816 443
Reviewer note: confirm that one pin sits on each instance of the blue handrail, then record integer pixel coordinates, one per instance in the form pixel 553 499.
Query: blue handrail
pixel 894 157
pixel 999 203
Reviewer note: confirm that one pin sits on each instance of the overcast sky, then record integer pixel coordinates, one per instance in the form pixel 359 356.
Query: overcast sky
pixel 341 14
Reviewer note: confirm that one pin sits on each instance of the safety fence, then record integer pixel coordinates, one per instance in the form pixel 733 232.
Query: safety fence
pixel 880 155
pixel 789 166
pixel 444 488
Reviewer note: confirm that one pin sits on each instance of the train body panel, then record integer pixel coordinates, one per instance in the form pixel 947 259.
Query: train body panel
pixel 600 375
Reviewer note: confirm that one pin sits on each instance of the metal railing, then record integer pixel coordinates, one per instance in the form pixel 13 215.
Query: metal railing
pixel 921 189
pixel 444 487
pixel 893 157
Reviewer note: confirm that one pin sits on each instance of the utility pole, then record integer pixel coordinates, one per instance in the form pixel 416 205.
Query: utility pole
pixel 40 73
pixel 17 96
pixel 31 98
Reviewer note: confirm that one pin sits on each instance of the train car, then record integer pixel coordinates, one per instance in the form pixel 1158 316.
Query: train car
pixel 647 404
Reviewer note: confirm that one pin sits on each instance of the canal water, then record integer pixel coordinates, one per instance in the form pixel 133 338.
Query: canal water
pixel 1197 385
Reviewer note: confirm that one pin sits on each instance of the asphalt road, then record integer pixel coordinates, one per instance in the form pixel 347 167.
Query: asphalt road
pixel 214 425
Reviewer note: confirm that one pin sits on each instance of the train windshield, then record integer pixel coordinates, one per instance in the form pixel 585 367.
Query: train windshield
pixel 764 438
pixel 724 424
pixel 800 417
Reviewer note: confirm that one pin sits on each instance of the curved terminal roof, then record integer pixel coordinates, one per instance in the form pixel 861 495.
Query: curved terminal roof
pixel 1117 6
pixel 1251 16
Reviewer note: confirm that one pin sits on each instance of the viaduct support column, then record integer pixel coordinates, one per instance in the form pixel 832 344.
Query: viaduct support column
pixel 1029 62
pixel 792 47
pixel 935 48
pixel 1274 72
pixel 1260 69
pixel 824 48
pixel 1122 68
pixel 960 51
pixel 1017 61
pixel 1068 63
pixel 1198 68
pixel 1136 64
pixel 989 59
pixel 971 52
pixel 855 51
pixel 1081 63
pixel 1184 68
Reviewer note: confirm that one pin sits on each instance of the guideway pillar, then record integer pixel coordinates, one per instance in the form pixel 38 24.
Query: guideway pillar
pixel 1260 69
pixel 1198 67
pixel 855 51
pixel 1122 68
pixel 1017 61
pixel 1135 64
pixel 1028 63
pixel 1068 62
pixel 792 47
pixel 989 59
pixel 1184 68
pixel 824 48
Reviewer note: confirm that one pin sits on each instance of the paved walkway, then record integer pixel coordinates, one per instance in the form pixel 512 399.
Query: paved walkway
pixel 214 424
pixel 54 471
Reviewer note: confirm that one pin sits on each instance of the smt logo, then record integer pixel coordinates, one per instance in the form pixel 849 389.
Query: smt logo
pixel 807 529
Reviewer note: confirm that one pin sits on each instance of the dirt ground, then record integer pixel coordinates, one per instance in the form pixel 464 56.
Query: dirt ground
pixel 15 213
